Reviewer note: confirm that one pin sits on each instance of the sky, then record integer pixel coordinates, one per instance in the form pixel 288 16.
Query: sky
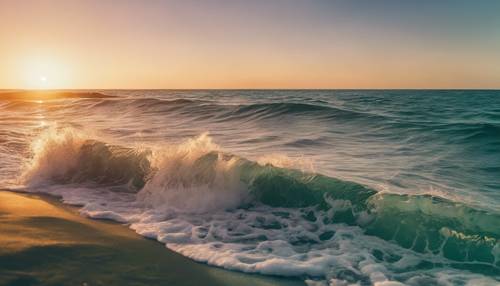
pixel 198 44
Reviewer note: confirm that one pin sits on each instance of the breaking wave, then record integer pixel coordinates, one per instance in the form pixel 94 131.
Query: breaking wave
pixel 269 216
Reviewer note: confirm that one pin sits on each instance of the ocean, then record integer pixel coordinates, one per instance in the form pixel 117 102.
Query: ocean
pixel 333 187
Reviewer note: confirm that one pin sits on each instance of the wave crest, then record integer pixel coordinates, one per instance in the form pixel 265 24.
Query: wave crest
pixel 194 177
pixel 67 156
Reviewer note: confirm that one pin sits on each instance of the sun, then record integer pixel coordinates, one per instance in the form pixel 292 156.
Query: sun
pixel 44 73
pixel 43 82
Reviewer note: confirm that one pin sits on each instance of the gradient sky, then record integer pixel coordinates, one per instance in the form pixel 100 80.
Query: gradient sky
pixel 249 44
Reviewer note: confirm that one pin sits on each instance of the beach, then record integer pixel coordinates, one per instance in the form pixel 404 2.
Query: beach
pixel 46 243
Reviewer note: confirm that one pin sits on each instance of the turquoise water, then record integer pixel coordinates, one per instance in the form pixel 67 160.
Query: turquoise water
pixel 350 186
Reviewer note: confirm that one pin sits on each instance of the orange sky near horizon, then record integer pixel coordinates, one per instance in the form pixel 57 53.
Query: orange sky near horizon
pixel 235 44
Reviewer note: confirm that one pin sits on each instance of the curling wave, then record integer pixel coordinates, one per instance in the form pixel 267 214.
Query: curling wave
pixel 260 217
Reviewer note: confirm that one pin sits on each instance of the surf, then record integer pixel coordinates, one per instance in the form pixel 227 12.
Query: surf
pixel 257 216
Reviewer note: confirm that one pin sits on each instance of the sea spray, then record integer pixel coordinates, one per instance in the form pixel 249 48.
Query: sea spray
pixel 194 177
pixel 54 154
pixel 65 155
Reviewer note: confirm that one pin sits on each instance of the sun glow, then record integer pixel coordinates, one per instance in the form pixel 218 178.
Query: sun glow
pixel 44 74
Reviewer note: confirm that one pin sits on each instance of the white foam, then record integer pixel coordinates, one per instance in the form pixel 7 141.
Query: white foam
pixel 261 239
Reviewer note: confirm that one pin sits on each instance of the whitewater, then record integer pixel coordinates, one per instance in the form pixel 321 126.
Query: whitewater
pixel 346 187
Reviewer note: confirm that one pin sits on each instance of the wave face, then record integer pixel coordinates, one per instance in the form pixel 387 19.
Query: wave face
pixel 334 188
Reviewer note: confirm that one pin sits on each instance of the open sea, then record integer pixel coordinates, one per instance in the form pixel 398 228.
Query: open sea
pixel 333 187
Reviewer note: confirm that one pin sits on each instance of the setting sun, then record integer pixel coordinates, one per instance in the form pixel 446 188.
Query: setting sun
pixel 47 72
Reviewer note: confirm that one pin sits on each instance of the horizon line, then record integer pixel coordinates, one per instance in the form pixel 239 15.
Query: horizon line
pixel 319 89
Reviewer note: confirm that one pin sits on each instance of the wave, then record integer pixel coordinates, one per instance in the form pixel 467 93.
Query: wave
pixel 223 112
pixel 474 132
pixel 275 218
pixel 66 156
pixel 51 94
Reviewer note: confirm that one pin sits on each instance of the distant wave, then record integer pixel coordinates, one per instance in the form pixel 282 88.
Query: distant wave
pixel 48 95
pixel 220 112
pixel 202 109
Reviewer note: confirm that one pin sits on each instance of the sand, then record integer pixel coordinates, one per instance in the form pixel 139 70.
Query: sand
pixel 43 242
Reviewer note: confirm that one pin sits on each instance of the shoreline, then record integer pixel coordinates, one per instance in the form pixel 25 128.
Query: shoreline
pixel 44 242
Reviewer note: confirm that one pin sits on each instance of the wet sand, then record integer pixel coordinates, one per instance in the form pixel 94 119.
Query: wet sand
pixel 43 242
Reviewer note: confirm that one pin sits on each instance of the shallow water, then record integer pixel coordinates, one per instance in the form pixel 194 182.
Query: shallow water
pixel 333 187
